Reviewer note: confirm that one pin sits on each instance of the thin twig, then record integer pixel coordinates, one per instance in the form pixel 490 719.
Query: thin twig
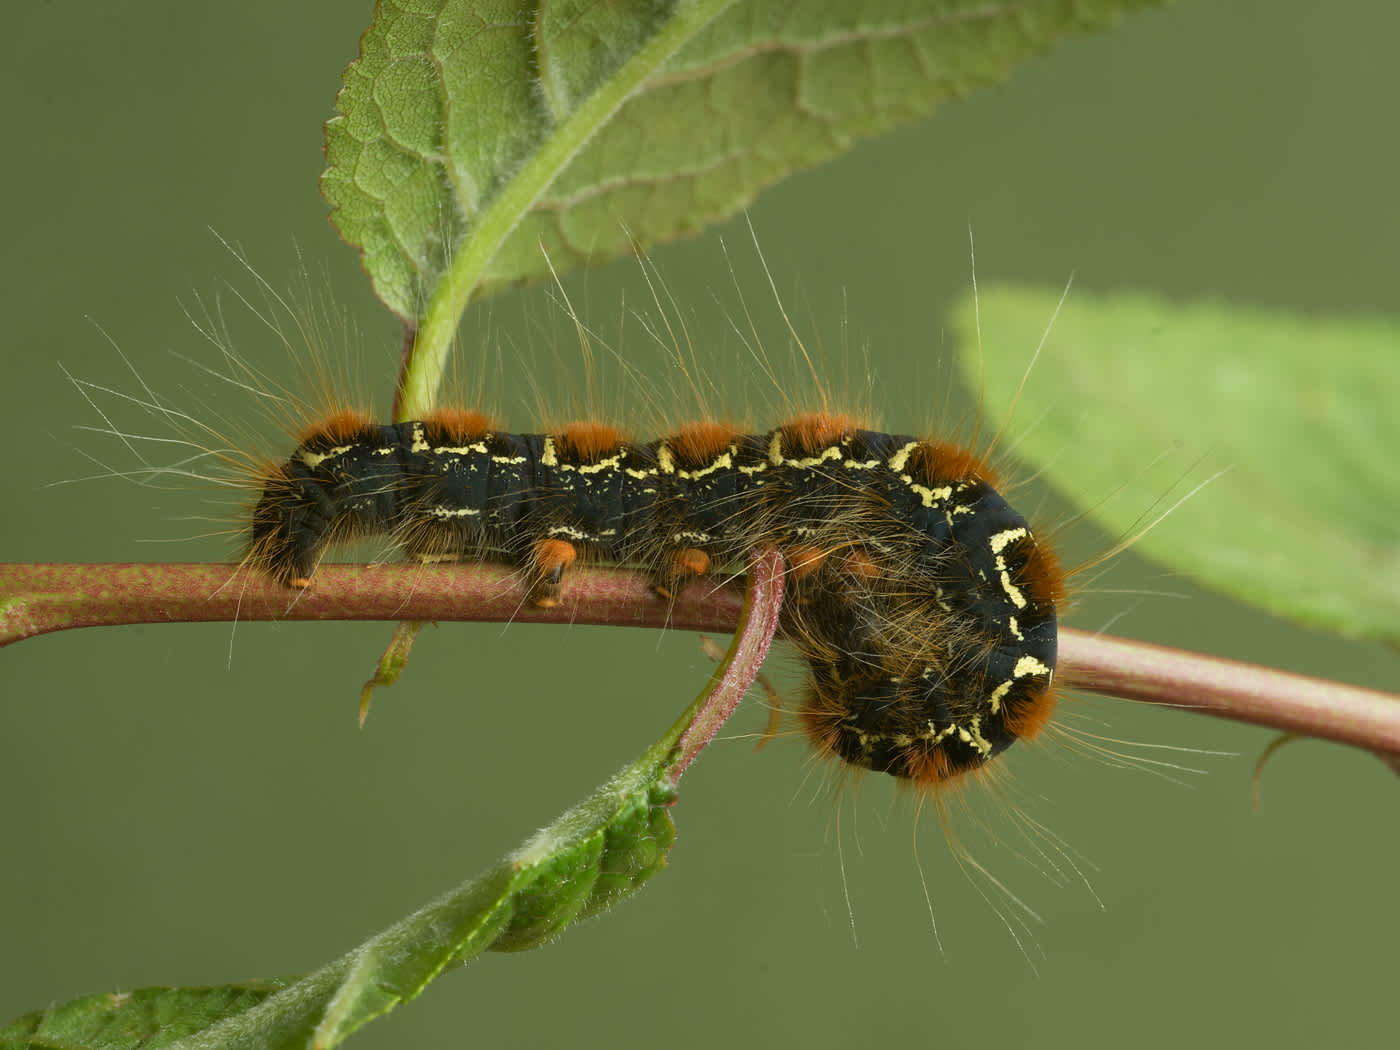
pixel 39 598
pixel 1292 703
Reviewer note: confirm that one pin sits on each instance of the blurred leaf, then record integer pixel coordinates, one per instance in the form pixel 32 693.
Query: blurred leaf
pixel 1300 412
pixel 478 129
pixel 145 1018
pixel 590 858
pixel 585 862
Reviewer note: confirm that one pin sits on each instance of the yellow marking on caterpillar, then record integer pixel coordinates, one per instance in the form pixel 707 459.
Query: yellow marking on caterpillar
pixel 1001 540
pixel 723 462
pixel 312 460
pixel 1028 666
pixel 444 513
pixel 777 459
pixel 972 734
pixel 996 696
pixel 900 459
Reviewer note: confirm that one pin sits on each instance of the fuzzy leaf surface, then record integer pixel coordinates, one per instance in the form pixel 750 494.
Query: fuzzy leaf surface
pixel 483 129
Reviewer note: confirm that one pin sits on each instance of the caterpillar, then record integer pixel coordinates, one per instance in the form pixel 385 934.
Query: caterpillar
pixel 922 602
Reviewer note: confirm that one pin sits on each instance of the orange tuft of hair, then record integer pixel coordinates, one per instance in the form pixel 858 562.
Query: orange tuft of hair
pixel 938 462
pixel 1026 718
pixel 342 428
pixel 924 767
pixel 1043 575
pixel 587 441
pixel 456 426
pixel 818 430
pixel 697 444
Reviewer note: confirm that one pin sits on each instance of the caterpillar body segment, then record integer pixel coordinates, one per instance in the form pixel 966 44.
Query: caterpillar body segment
pixel 920 599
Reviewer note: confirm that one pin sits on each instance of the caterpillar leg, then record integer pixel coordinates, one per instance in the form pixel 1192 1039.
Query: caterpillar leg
pixel 679 567
pixel 547 564
pixel 802 560
pixel 859 565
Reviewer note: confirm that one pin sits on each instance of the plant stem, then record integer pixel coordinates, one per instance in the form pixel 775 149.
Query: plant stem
pixel 40 598
pixel 1292 703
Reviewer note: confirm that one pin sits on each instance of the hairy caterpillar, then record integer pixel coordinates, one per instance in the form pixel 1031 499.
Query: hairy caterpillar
pixel 922 602
pixel 924 606
pixel 905 560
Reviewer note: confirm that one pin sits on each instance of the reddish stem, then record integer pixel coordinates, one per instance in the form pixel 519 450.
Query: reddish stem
pixel 1293 703
pixel 42 598
pixel 731 680
pixel 39 598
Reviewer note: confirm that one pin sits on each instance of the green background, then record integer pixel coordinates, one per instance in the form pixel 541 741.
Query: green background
pixel 176 814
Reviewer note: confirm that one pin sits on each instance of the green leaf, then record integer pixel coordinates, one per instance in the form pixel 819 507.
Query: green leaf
pixel 146 1018
pixel 585 862
pixel 471 133
pixel 1299 413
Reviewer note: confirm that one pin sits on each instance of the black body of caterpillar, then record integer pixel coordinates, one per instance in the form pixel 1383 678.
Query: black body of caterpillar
pixel 921 600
